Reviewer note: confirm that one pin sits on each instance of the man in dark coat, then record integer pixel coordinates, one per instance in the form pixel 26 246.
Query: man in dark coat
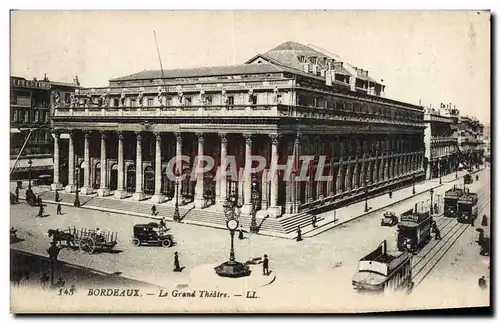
pixel 177 266
pixel 299 234
pixel 390 194
pixel 265 266
pixel 17 194
pixel 59 209
pixel 313 220
pixel 240 233
pixel 40 210
pixel 437 235
pixel 153 210
pixel 57 196
pixel 484 222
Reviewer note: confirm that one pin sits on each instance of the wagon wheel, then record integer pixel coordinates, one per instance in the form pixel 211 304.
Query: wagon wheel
pixel 166 242
pixel 87 245
pixel 136 242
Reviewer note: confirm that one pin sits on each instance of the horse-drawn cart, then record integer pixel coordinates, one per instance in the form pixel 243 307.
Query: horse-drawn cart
pixel 87 240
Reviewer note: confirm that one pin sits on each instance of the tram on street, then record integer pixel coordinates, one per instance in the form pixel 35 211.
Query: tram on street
pixel 383 270
pixel 414 231
pixel 467 207
pixel 451 201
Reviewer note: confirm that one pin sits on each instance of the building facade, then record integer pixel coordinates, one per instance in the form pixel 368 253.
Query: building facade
pixel 487 141
pixel 470 141
pixel 31 107
pixel 292 101
pixel 441 140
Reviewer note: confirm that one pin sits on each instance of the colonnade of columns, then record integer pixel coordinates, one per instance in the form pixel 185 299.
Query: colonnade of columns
pixel 352 162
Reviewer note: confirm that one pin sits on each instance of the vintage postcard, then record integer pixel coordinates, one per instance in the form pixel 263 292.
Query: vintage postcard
pixel 249 161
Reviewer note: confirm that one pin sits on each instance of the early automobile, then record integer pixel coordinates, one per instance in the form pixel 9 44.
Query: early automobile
pixel 389 219
pixel 151 234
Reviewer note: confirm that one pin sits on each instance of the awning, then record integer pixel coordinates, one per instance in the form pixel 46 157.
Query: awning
pixel 15 130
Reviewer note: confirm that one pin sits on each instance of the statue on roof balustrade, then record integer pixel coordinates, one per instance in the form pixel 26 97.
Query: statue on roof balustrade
pixel 103 99
pixel 276 96
pixel 180 97
pixel 122 98
pixel 56 99
pixel 140 97
pixel 88 101
pixel 225 98
pixel 250 96
pixel 160 96
pixel 203 98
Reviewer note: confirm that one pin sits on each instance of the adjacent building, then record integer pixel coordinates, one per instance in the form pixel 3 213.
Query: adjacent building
pixel 31 106
pixel 291 101
pixel 487 141
pixel 441 140
pixel 470 141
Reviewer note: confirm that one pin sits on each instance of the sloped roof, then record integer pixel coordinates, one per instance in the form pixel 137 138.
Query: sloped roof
pixel 202 71
pixel 288 52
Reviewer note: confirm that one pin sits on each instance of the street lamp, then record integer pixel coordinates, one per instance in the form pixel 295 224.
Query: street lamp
pixel 232 268
pixel 177 216
pixel 432 193
pixel 255 197
pixel 366 195
pixel 456 170
pixel 76 203
pixel 413 183
pixel 30 162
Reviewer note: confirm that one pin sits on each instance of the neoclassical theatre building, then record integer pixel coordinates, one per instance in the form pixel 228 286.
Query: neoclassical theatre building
pixel 293 100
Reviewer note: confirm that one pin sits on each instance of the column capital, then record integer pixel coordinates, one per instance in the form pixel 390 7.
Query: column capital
pixel 158 136
pixel 200 136
pixel 248 138
pixel 104 135
pixel 223 137
pixel 138 135
pixel 120 135
pixel 178 136
pixel 275 138
pixel 87 133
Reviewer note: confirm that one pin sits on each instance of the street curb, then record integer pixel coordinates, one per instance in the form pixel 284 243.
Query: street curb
pixel 309 235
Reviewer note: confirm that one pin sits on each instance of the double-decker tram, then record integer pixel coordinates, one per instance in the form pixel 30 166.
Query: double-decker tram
pixel 383 270
pixel 451 201
pixel 414 231
pixel 467 207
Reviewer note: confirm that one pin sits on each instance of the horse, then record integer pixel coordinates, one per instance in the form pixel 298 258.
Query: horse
pixel 60 236
pixel 17 275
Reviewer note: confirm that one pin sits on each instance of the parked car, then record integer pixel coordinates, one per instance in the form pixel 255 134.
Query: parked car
pixel 151 234
pixel 389 219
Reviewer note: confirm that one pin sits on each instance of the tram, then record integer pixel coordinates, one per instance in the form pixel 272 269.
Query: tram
pixel 467 207
pixel 451 201
pixel 383 270
pixel 414 231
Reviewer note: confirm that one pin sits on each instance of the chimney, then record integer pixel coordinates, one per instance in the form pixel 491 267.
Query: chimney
pixel 365 73
pixel 45 77
pixel 315 69
pixel 338 64
pixel 305 66
pixel 76 81
pixel 359 72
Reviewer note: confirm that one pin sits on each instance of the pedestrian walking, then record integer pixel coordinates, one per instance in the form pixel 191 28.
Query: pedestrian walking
pixel 59 209
pixel 313 220
pixel 40 210
pixel 17 194
pixel 484 222
pixel 57 197
pixel 390 194
pixel 482 283
pixel 240 233
pixel 153 210
pixel 265 266
pixel 163 224
pixel 437 235
pixel 299 234
pixel 177 266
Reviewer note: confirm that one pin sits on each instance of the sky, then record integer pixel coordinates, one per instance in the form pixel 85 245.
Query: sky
pixel 427 57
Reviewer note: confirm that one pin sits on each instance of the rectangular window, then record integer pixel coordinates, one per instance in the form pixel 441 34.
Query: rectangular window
pixel 132 102
pixel 67 98
pixel 168 102
pixel 253 99
pixel 114 102
pixel 150 102
pixel 230 100
pixel 14 115
pixel 209 99
pixel 188 100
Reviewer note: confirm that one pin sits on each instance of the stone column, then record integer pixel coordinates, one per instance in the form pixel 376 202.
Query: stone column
pixel 223 179
pixel 71 187
pixel 178 166
pixel 356 175
pixel 386 169
pixel 264 203
pixel 120 188
pixel 246 209
pixel 139 194
pixel 56 185
pixel 199 200
pixel 87 188
pixel 296 184
pixel 158 197
pixel 103 190
pixel 340 173
pixel 274 209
